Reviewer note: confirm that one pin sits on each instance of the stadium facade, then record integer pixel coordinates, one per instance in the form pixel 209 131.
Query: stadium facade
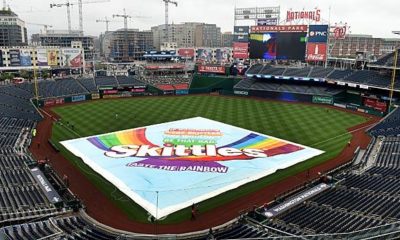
pixel 64 39
pixel 356 43
pixel 29 57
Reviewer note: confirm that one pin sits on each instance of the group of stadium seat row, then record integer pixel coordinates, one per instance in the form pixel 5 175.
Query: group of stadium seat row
pixel 254 84
pixel 360 199
pixel 365 77
pixel 390 126
pixel 168 83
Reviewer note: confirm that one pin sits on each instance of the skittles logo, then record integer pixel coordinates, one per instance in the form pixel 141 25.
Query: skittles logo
pixel 188 149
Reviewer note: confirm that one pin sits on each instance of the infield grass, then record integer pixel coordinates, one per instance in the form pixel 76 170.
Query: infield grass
pixel 310 125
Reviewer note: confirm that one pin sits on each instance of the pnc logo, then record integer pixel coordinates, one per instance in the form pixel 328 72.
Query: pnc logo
pixel 318 34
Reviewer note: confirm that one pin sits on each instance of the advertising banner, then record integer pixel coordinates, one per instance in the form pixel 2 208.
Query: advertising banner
pixel 222 55
pixel 52 57
pixel 322 100
pixel 267 22
pixel 15 59
pixel 238 92
pixel 25 57
pixel 52 102
pixel 95 96
pixel 44 184
pixel 41 54
pixel 296 200
pixel 204 55
pixel 167 167
pixel 211 69
pixel 279 28
pixel 240 50
pixel 375 104
pixel 182 92
pixel 79 98
pixel 241 38
pixel 241 30
pixel 72 57
pixel 1 58
pixel 318 33
pixel 186 52
pixel 138 90
pixel 316 52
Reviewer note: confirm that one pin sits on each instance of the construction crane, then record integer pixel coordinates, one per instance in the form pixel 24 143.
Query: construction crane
pixel 125 17
pixel 167 2
pixel 80 4
pixel 67 4
pixel 107 21
pixel 45 26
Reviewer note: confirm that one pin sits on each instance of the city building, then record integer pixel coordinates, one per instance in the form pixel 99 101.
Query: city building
pixel 182 34
pixel 208 35
pixel 187 35
pixel 126 45
pixel 227 39
pixel 12 29
pixel 64 39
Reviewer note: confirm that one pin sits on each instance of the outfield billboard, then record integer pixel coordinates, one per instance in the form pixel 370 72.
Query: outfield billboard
pixel 1 59
pixel 211 69
pixel 15 57
pixel 322 100
pixel 241 50
pixel 318 34
pixel 78 98
pixel 167 167
pixel 52 57
pixel 222 55
pixel 316 52
pixel 41 54
pixel 25 57
pixel 72 57
pixel 186 52
pixel 204 55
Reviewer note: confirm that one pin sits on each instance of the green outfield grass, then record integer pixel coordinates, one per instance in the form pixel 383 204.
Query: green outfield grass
pixel 310 125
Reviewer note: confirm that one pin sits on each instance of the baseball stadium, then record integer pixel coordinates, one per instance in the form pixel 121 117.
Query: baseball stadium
pixel 273 138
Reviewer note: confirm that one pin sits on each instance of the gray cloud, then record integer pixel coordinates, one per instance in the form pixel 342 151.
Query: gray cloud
pixel 377 18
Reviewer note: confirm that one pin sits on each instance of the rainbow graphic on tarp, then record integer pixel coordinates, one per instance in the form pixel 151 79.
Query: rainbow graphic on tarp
pixel 270 146
pixel 167 167
pixel 135 136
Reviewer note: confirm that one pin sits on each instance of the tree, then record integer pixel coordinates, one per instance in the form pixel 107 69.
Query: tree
pixel 6 76
pixel 45 74
pixel 24 74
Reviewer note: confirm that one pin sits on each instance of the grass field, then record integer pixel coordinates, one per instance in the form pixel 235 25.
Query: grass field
pixel 310 125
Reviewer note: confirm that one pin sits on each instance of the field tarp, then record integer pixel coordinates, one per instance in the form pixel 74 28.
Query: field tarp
pixel 170 166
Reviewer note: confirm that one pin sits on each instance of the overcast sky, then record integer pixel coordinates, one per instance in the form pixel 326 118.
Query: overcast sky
pixel 378 18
